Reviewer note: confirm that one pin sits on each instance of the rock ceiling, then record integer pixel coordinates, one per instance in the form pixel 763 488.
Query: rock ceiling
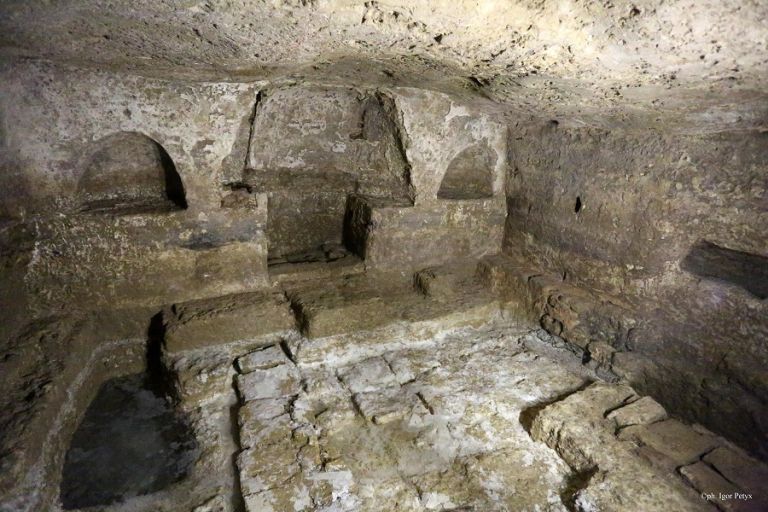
pixel 685 64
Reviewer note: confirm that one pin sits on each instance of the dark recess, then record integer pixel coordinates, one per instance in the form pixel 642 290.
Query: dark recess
pixel 710 261
pixel 129 443
pixel 174 188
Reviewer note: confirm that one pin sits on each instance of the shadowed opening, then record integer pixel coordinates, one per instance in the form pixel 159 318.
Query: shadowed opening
pixel 130 173
pixel 749 271
pixel 129 443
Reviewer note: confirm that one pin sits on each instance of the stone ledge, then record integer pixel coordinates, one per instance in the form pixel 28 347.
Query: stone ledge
pixel 223 320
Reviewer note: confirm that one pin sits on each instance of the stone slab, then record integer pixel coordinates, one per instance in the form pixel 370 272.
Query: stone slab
pixel 640 412
pixel 676 440
pixel 222 320
pixel 280 381
pixel 262 359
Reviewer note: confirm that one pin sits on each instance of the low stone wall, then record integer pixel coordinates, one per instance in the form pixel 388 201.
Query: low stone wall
pixel 391 237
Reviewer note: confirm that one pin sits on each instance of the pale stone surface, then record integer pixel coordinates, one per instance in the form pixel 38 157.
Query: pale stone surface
pixel 450 436
pixel 275 382
pixel 368 375
pixel 262 359
pixel 642 411
pixel 408 364
pixel 675 440
pixel 223 320
pixel 612 474
pixel 388 405
pixel 198 377
pixel 259 426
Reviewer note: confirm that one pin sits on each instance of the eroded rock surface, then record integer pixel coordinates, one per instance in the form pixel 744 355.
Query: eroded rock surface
pixel 439 255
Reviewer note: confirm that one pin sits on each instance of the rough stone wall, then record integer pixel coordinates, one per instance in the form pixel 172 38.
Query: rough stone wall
pixel 438 131
pixel 62 124
pixel 618 212
pixel 51 116
pixel 265 169
pixel 312 146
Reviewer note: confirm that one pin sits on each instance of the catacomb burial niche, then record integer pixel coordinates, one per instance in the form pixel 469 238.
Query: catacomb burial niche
pixel 311 149
pixel 129 443
pixel 470 174
pixel 710 261
pixel 128 172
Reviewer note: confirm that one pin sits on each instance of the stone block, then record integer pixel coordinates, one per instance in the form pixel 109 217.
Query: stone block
pixel 575 426
pixel 257 430
pixel 262 359
pixel 388 405
pixel 406 365
pixel 223 320
pixel 749 474
pixel 677 441
pixel 640 412
pixel 368 375
pixel 322 383
pixel 280 381
pixel 200 376
pixel 233 266
pixel 632 485
pixel 267 467
pixel 395 236
pixel 446 281
pixel 354 303
pixel 713 487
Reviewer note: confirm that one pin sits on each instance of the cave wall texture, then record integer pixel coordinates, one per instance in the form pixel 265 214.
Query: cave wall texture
pixel 607 162
pixel 620 213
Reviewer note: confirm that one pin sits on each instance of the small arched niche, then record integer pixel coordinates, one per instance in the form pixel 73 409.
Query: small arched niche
pixel 470 174
pixel 129 172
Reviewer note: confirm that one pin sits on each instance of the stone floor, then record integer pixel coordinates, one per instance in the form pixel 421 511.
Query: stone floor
pixel 430 428
pixel 371 393
pixel 129 443
pixel 468 421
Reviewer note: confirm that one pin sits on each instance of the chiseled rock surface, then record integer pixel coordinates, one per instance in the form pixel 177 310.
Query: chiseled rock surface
pixel 606 58
pixel 358 314
pixel 613 472
pixel 434 232
pixel 415 429
pixel 466 421
pixel 640 412
pixel 262 359
pixel 225 320
pixel 739 468
pixel 675 441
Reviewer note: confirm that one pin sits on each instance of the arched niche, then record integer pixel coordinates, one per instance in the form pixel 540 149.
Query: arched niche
pixel 470 174
pixel 128 172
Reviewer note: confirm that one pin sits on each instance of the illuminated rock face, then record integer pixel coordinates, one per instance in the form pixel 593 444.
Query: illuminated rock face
pixel 355 256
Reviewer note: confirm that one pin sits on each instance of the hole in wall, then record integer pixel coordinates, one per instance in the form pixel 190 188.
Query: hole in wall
pixel 129 172
pixel 307 196
pixel 578 206
pixel 470 174
pixel 743 269
pixel 129 443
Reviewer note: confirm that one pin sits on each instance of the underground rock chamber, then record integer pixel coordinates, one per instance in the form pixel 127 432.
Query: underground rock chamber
pixel 129 443
pixel 364 256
